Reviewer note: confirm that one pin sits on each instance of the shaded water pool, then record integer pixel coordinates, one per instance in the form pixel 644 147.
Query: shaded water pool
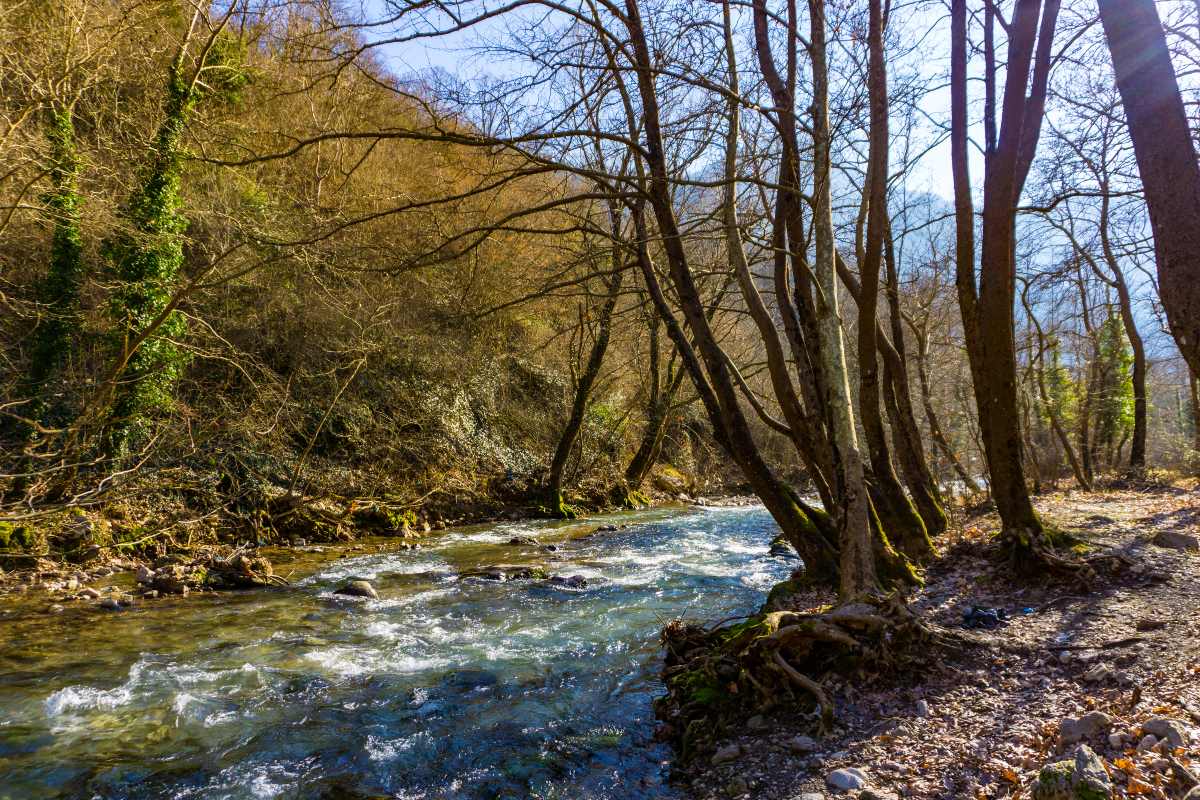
pixel 442 688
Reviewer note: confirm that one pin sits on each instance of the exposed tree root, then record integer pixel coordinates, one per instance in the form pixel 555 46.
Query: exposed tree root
pixel 716 678
pixel 1056 554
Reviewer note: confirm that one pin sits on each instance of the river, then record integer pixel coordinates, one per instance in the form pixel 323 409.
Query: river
pixel 444 687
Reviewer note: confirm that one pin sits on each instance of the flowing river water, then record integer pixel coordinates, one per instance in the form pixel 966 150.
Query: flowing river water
pixel 444 687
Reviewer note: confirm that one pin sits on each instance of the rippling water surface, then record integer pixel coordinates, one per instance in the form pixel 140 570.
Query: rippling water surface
pixel 442 688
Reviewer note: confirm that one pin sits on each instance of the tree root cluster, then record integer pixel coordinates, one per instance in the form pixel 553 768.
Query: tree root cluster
pixel 1057 555
pixel 718 677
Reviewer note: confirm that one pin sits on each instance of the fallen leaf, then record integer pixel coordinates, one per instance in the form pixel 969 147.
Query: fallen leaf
pixel 1136 786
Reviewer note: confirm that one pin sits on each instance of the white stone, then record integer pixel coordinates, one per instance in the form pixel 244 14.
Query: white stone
pixel 847 779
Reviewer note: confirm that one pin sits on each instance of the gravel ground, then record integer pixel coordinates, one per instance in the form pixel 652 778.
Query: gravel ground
pixel 981 724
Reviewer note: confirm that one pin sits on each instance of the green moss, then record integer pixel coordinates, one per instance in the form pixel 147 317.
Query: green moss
pixel 561 509
pixel 16 537
pixel 695 686
pixel 1060 539
pixel 893 568
pixel 1054 781
pixel 781 591
pixel 402 520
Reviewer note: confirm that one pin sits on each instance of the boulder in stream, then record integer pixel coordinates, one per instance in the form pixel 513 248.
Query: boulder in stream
pixel 507 572
pixel 573 582
pixel 359 588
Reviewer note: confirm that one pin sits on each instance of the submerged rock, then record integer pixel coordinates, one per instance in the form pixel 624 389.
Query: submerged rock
pixel 113 603
pixel 507 572
pixel 360 588
pixel 573 582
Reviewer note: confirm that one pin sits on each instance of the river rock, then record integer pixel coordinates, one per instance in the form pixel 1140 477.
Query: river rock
pixel 172 579
pixel 847 779
pixel 144 574
pixel 1094 723
pixel 110 604
pixel 506 572
pixel 737 786
pixel 522 540
pixel 89 594
pixel 811 796
pixel 730 752
pixel 1080 778
pixel 358 589
pixel 802 744
pixel 877 794
pixel 1176 540
pixel 782 548
pixel 573 582
pixel 922 708
pixel 1194 794
pixel 1173 730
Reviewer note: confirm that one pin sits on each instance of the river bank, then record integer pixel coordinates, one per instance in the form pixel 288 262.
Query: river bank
pixel 1065 667
pixel 152 544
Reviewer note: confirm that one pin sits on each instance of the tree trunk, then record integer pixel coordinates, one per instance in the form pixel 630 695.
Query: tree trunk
pixel 658 406
pixel 914 464
pixel 808 532
pixel 805 531
pixel 1194 391
pixel 988 315
pixel 800 428
pixel 895 510
pixel 1162 143
pixel 931 417
pixel 1116 279
pixel 58 291
pixel 858 574
pixel 583 394
pixel 146 259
